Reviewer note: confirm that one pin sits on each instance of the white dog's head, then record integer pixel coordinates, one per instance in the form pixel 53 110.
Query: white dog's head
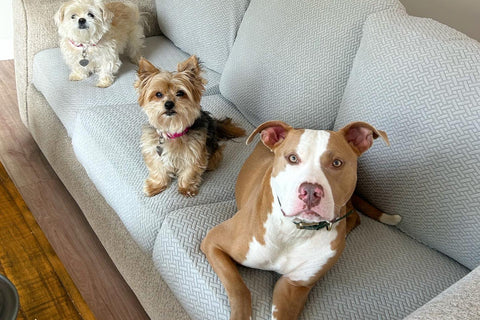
pixel 83 20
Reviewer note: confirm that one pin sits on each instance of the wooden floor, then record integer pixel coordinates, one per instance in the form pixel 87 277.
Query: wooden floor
pixel 57 214
pixel 27 259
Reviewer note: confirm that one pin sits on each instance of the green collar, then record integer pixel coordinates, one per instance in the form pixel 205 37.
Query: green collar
pixel 319 225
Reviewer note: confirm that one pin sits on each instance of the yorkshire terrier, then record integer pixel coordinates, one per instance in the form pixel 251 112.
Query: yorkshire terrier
pixel 93 35
pixel 181 140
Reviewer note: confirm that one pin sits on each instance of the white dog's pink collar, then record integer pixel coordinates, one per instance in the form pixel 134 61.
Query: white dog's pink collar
pixel 81 45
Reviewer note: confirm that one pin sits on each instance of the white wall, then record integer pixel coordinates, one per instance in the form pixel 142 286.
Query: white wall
pixel 6 30
pixel 463 15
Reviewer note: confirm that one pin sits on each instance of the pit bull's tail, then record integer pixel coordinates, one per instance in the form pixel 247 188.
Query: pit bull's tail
pixel 368 209
pixel 227 130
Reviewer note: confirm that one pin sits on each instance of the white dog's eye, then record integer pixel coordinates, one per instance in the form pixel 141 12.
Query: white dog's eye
pixel 293 158
pixel 73 16
pixel 91 15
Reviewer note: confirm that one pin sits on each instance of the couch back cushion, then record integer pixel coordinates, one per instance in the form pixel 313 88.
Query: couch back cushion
pixel 206 28
pixel 419 80
pixel 291 59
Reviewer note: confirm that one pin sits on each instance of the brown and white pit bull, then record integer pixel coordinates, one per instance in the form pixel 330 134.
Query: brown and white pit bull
pixel 292 194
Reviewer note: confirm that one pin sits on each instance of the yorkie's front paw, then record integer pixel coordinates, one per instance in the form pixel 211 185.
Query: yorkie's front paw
pixel 151 188
pixel 188 192
pixel 105 82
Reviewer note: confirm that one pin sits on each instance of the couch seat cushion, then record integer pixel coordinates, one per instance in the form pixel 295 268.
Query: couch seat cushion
pixel 291 59
pixel 107 143
pixel 419 80
pixel 68 98
pixel 382 274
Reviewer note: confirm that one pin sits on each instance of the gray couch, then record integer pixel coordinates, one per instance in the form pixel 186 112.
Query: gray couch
pixel 316 64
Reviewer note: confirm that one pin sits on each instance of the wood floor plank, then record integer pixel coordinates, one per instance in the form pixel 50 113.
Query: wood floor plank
pixel 58 215
pixel 44 286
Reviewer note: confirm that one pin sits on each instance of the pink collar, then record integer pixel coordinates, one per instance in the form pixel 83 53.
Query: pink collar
pixel 79 45
pixel 177 135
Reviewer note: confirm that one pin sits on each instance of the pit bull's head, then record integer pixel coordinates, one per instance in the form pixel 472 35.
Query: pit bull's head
pixel 314 172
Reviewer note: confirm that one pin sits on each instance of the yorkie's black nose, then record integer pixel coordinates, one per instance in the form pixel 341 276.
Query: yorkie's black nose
pixel 81 21
pixel 169 105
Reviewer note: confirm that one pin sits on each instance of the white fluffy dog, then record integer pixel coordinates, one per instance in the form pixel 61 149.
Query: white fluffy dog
pixel 93 35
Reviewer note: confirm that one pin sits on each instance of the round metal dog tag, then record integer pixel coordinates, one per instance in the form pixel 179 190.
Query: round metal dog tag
pixel 84 62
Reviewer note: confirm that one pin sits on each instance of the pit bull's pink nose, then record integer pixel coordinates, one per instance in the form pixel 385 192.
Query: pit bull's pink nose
pixel 310 194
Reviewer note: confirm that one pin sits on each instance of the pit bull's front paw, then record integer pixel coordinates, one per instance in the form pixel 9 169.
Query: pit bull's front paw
pixel 152 188
pixel 188 192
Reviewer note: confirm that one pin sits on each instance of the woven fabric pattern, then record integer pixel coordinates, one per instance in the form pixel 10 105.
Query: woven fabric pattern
pixel 382 274
pixel 109 149
pixel 419 81
pixel 206 28
pixel 291 59
pixel 68 98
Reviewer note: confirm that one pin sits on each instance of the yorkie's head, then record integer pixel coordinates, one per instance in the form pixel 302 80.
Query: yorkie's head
pixel 171 100
pixel 83 20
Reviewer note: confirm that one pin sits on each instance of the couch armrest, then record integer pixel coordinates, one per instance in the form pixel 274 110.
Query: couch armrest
pixel 460 301
pixel 35 30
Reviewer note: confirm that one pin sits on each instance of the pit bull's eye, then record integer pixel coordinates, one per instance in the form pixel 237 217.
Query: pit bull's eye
pixel 180 93
pixel 293 159
pixel 337 163
pixel 91 15
pixel 158 94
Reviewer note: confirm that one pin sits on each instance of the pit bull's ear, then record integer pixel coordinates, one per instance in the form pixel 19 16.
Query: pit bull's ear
pixel 272 133
pixel 360 136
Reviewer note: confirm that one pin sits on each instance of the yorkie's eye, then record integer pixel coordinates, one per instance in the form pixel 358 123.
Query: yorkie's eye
pixel 73 16
pixel 337 163
pixel 180 93
pixel 293 158
pixel 158 94
pixel 91 15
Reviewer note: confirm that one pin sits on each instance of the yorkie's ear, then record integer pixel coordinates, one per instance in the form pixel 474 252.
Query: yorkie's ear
pixel 145 70
pixel 190 65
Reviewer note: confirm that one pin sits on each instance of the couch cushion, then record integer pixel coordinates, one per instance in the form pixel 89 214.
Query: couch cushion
pixel 68 98
pixel 382 274
pixel 419 81
pixel 107 143
pixel 291 59
pixel 206 28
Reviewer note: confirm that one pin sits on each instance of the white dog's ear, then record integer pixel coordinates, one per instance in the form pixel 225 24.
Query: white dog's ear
pixel 107 15
pixel 60 14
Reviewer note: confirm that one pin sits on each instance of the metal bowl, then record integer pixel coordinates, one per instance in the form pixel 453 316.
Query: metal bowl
pixel 9 302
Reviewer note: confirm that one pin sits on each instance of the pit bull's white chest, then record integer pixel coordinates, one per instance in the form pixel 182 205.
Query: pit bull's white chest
pixel 297 254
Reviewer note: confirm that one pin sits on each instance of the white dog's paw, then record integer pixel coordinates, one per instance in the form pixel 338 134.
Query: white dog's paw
pixel 75 76
pixel 104 82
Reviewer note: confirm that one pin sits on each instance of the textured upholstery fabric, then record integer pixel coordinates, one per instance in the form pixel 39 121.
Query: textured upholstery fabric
pixel 460 301
pixel 135 264
pixel 109 149
pixel 419 81
pixel 68 98
pixel 291 59
pixel 206 28
pixel 382 274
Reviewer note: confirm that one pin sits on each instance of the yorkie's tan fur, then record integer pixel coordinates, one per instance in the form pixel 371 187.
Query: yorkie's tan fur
pixel 181 139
